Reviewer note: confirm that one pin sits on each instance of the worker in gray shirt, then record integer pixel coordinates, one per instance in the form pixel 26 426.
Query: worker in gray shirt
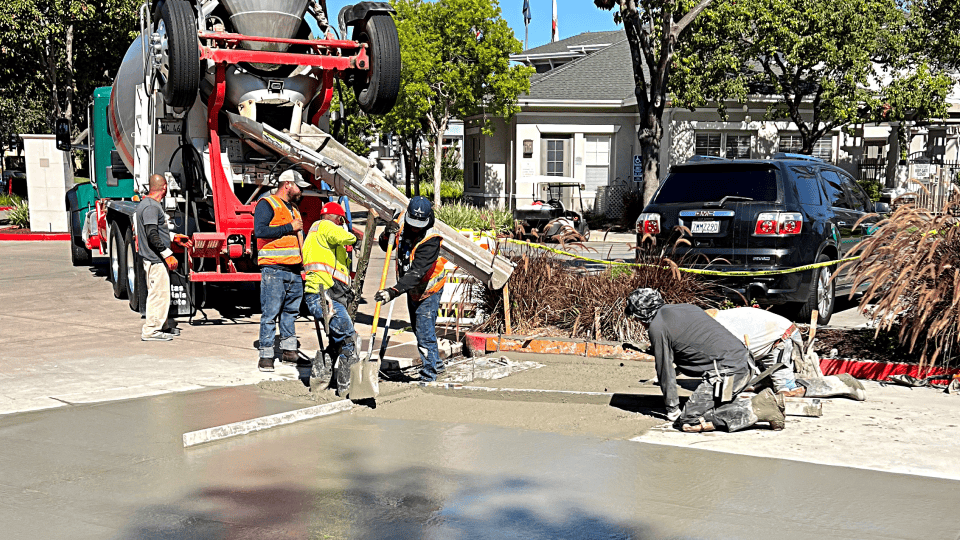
pixel 687 340
pixel 153 244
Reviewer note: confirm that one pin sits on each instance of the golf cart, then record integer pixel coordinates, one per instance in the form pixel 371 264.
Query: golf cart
pixel 549 209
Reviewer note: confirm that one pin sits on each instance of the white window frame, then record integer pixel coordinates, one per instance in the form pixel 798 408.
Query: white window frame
pixel 723 142
pixel 825 143
pixel 595 160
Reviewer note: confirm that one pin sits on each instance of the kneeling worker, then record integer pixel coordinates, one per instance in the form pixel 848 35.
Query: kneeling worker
pixel 421 275
pixel 685 336
pixel 327 266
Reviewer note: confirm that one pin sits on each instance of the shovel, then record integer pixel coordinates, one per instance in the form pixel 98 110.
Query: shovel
pixel 365 375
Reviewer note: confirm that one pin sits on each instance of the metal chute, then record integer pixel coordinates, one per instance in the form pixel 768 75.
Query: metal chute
pixel 266 18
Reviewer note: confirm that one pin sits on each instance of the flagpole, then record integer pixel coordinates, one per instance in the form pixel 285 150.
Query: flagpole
pixel 526 34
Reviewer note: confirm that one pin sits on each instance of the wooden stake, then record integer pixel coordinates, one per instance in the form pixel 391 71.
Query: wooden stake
pixel 506 309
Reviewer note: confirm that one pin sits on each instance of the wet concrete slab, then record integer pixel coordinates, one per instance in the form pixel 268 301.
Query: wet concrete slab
pixel 118 470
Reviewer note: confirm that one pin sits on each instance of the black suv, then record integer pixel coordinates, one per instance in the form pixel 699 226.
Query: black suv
pixel 752 215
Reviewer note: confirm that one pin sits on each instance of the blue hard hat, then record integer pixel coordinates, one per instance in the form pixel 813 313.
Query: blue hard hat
pixel 419 212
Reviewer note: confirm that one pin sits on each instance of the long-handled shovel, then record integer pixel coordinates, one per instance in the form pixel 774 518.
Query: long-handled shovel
pixel 364 375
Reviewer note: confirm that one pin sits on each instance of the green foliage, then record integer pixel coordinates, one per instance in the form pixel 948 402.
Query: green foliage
pixel 818 53
pixel 20 214
pixel 456 63
pixel 450 191
pixel 464 216
pixel 450 170
pixel 872 187
pixel 39 79
pixel 9 200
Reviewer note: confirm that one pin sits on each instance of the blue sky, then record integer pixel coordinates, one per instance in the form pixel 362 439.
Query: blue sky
pixel 573 17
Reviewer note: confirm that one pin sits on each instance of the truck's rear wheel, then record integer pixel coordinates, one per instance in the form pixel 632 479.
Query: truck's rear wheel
pixel 178 26
pixel 377 91
pixel 136 282
pixel 79 254
pixel 118 262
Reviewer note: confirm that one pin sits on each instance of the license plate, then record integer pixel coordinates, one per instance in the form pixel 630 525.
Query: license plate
pixel 168 127
pixel 705 227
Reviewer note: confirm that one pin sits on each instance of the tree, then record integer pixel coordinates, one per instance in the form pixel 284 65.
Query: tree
pixel 456 64
pixel 54 50
pixel 352 127
pixel 828 63
pixel 653 28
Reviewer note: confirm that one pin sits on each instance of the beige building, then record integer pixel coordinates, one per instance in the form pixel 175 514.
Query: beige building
pixel 580 119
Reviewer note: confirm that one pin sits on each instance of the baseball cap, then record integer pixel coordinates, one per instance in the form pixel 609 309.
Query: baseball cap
pixel 291 175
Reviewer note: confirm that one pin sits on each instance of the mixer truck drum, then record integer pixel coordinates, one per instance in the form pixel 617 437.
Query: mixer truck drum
pixel 377 88
pixel 181 54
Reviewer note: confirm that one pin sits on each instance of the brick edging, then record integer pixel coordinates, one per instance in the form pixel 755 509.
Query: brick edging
pixel 479 343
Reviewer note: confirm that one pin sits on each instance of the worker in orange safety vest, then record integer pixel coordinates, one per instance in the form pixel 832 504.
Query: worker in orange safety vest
pixel 421 273
pixel 279 228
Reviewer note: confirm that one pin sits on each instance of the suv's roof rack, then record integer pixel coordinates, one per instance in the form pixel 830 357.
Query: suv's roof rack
pixel 804 157
pixel 699 157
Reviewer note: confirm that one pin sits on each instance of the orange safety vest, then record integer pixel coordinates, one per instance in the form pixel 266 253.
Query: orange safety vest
pixel 435 278
pixel 286 249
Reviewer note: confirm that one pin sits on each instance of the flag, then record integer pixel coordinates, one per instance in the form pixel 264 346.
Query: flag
pixel 527 16
pixel 556 33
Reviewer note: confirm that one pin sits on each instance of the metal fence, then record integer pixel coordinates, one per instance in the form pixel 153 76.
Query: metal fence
pixel 932 182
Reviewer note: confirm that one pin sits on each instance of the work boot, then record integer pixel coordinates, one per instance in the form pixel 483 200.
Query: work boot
pixel 843 385
pixel 289 357
pixel 320 367
pixel 265 364
pixel 768 407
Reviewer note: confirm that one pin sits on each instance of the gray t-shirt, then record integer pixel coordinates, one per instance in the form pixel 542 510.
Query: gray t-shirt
pixel 150 212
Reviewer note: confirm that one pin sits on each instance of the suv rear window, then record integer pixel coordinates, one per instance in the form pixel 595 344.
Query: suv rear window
pixel 712 183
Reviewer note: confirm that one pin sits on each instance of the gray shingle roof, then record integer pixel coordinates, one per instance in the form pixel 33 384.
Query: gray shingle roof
pixel 605 74
pixel 586 38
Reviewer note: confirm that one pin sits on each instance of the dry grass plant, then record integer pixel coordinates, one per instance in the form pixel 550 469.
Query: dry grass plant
pixel 551 297
pixel 912 264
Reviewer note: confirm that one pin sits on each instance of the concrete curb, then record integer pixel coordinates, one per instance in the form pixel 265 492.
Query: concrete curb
pixel 217 433
pixel 480 344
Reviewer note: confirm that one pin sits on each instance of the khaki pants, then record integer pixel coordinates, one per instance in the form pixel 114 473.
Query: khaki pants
pixel 158 298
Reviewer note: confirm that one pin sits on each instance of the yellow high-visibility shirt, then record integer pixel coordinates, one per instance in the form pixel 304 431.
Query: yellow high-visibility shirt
pixel 325 257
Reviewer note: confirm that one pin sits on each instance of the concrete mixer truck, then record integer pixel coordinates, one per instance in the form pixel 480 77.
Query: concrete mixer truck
pixel 221 96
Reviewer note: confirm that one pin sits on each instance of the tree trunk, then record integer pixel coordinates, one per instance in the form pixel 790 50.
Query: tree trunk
pixel 437 169
pixel 52 76
pixel 650 154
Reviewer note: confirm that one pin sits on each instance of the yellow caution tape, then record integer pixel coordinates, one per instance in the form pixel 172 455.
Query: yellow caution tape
pixel 731 273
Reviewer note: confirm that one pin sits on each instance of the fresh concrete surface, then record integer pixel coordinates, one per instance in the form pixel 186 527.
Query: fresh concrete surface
pixel 65 339
pixel 118 470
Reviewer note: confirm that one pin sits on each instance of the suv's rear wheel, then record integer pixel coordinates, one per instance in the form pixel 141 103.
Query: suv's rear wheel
pixel 822 295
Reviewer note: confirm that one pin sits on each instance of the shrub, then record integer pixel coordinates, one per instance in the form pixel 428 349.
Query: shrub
pixel 912 263
pixel 20 215
pixel 450 169
pixel 449 191
pixel 464 216
pixel 547 293
pixel 9 200
pixel 872 187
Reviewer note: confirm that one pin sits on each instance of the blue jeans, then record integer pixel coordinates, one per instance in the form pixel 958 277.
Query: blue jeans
pixel 280 294
pixel 423 318
pixel 341 327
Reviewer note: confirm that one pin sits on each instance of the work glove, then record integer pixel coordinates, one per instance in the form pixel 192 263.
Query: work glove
pixel 385 295
pixel 393 227
pixel 171 263
pixel 183 240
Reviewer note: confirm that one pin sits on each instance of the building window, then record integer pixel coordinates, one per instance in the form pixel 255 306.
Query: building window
pixel 555 156
pixel 473 151
pixel 708 144
pixel 822 149
pixel 738 146
pixel 725 145
pixel 597 160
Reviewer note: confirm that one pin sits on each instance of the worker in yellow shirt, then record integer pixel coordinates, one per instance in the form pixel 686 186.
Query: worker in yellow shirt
pixel 328 281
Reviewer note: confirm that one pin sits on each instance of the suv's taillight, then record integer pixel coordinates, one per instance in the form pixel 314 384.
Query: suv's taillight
pixel 778 224
pixel 648 224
